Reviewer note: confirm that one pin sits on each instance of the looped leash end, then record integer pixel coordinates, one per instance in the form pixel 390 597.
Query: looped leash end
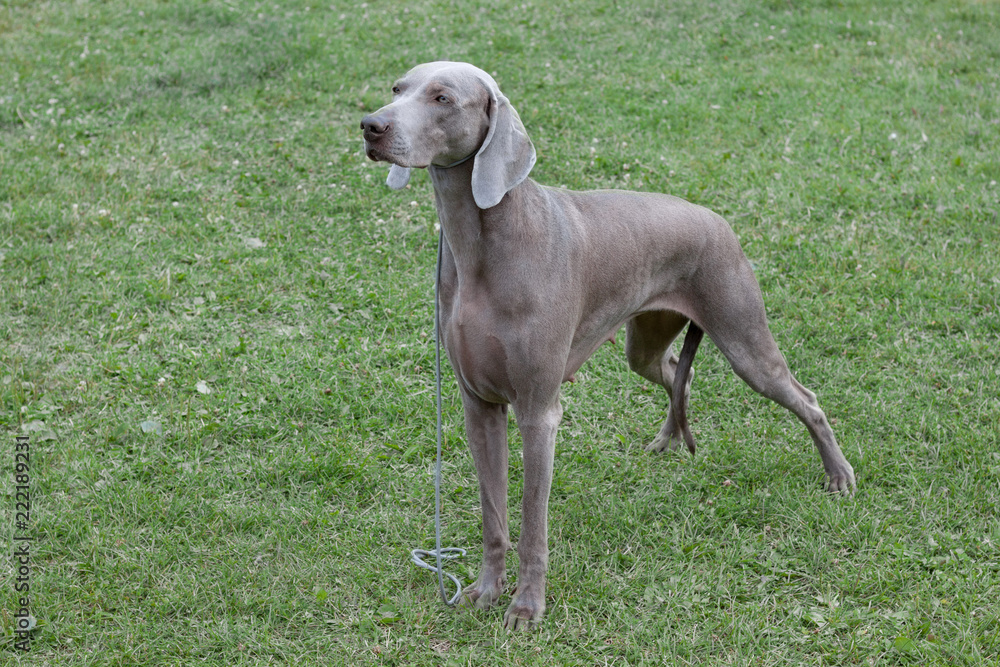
pixel 448 553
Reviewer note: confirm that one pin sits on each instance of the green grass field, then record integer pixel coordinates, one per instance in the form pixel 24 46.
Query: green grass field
pixel 215 330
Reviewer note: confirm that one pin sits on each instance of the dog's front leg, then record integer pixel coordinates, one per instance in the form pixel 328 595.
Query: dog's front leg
pixel 486 430
pixel 538 426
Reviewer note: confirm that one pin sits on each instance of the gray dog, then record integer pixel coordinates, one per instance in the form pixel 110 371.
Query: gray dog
pixel 534 279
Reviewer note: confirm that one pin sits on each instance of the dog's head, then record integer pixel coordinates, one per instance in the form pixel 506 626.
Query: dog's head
pixel 444 113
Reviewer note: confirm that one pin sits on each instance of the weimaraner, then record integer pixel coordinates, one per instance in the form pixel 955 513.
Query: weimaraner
pixel 534 279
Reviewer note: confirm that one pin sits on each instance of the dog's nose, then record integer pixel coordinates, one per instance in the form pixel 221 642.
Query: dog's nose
pixel 374 126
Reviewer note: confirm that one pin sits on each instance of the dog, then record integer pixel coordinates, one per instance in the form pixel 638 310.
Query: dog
pixel 533 279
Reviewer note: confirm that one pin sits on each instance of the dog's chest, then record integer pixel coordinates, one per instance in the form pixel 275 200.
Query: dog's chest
pixel 475 344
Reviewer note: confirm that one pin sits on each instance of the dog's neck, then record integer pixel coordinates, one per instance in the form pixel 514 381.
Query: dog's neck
pixel 480 237
pixel 461 219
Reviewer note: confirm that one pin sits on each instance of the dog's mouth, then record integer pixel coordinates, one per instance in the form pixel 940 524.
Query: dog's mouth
pixel 374 154
pixel 377 154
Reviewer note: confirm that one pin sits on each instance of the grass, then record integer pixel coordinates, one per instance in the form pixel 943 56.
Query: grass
pixel 215 331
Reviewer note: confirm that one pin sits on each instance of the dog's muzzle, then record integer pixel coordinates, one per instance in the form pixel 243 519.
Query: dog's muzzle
pixel 375 128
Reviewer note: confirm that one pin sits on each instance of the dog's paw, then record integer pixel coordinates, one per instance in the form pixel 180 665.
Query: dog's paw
pixel 523 614
pixel 841 481
pixel 661 442
pixel 482 595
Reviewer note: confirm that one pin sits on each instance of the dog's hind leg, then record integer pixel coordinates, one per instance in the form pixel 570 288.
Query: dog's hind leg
pixel 647 347
pixel 739 329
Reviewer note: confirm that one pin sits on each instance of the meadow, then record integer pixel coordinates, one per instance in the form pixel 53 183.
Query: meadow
pixel 216 335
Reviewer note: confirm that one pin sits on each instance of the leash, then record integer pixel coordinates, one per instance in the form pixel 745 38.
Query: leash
pixel 449 553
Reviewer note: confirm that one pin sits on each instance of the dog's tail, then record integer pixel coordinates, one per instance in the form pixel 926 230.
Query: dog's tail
pixel 678 401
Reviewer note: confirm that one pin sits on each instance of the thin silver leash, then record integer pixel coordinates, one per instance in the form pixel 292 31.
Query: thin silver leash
pixel 449 553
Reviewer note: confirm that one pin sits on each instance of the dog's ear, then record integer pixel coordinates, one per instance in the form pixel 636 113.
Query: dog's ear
pixel 398 177
pixel 506 156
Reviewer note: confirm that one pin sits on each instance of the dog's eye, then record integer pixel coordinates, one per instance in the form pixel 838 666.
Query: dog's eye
pixel 442 99
pixel 395 90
